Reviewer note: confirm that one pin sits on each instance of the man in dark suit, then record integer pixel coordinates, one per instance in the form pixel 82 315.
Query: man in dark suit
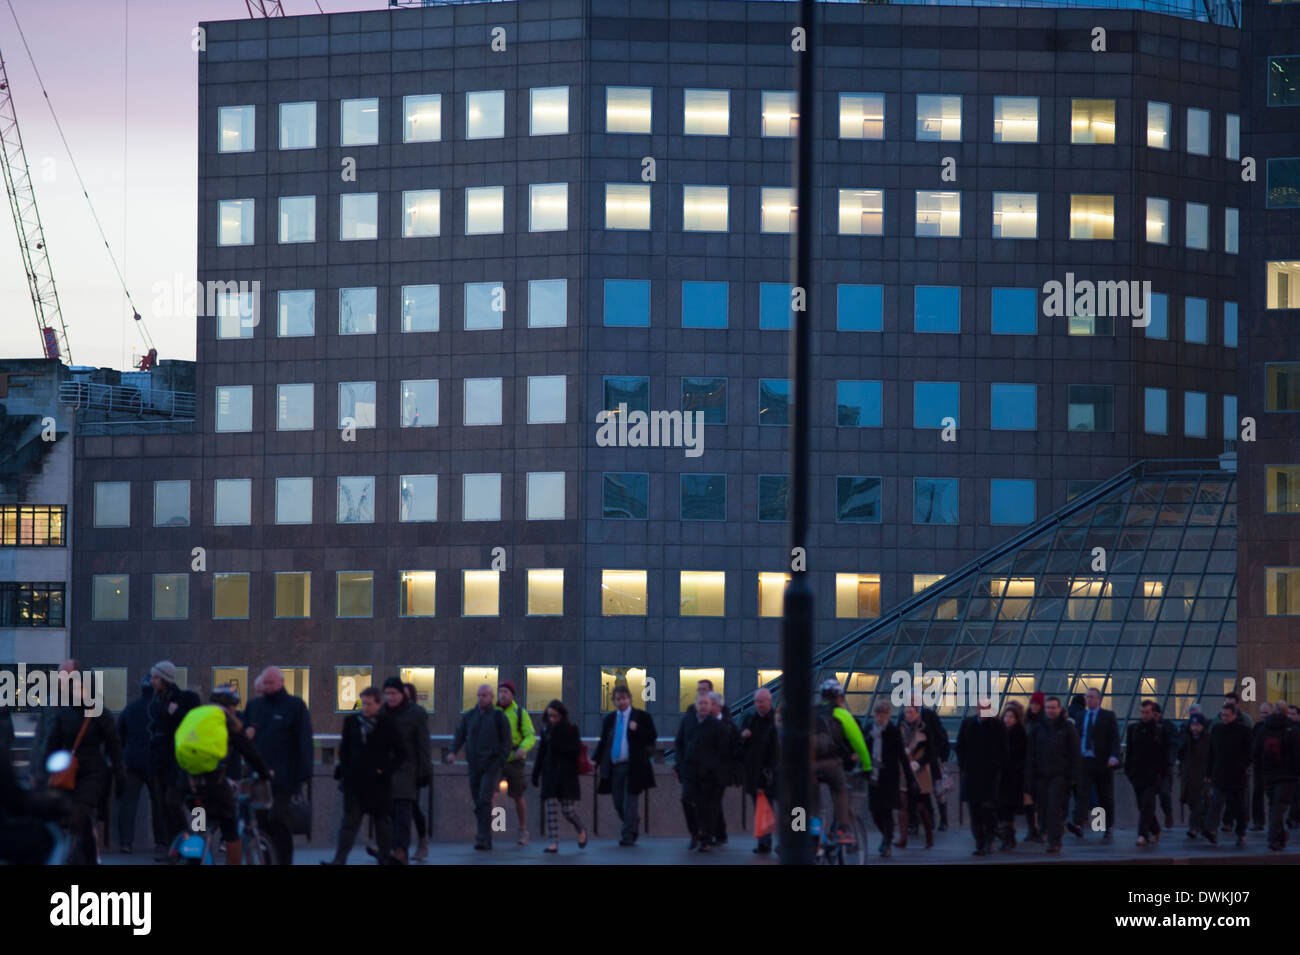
pixel 627 740
pixel 1099 747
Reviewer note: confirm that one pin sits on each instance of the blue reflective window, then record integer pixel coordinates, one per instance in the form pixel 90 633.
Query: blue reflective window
pixel 857 499
pixel 708 395
pixel 857 404
pixel 1195 320
pixel 1011 501
pixel 704 497
pixel 625 496
pixel 704 305
pixel 774 305
pixel 860 308
pixel 1156 411
pixel 1194 414
pixel 935 500
pixel 1015 311
pixel 1230 324
pixel 938 308
pixel 634 392
pixel 774 401
pixel 627 302
pixel 932 401
pixel 773 497
pixel 1014 407
pixel 1158 312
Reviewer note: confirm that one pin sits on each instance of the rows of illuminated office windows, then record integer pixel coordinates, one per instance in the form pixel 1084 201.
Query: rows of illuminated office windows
pixel 709 304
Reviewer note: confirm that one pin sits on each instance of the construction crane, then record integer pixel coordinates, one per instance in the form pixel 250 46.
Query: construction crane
pixel 264 8
pixel 31 235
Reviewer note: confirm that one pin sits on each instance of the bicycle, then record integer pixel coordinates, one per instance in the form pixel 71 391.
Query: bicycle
pixel 202 847
pixel 830 851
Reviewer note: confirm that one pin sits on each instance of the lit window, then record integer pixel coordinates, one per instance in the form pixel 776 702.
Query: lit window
pixel 545 500
pixel 862 116
pixel 1015 311
pixel 1156 411
pixel 938 118
pixel 544 684
pixel 110 597
pixel 1198 131
pixel 171 596
pixel 1015 119
pixel 420 306
pixel 1284 183
pixel 859 308
pixel 627 302
pixel 549 113
pixel 775 400
pixel 417 593
pixel 623 593
pixel 546 399
pixel 293 500
pixel 779 210
pixel 1198 225
pixel 1281 591
pixel 703 593
pixel 1231 219
pixel 236 314
pixel 937 308
pixel 774 497
pixel 296 313
pixel 1232 136
pixel 235 222
pixel 704 208
pixel 862 212
pixel 938 214
pixel 1282 489
pixel 1284 81
pixel 112 503
pixel 545 592
pixel 625 497
pixel 1282 386
pixel 298 125
pixel 1230 324
pixel 774 304
pixel 485 114
pixel 485 210
pixel 348 684
pixel 771 593
pixel 632 678
pixel 355 593
pixel 481 497
pixel 232 502
pixel 421 213
pixel 1157 220
pixel 171 503
pixel 471 679
pixel 548 207
pixel 628 109
pixel 707 112
pixel 704 305
pixel 935 500
pixel 922 581
pixel 358 311
pixel 1159 124
pixel 420 403
pixel 484 305
pixel 1092 122
pixel 1158 316
pixel 858 404
pixel 1283 285
pixel 708 395
pixel 857 596
pixel 482 401
pixel 294 407
pixel 780 114
pixel 293 594
pixel 627 206
pixel 1092 217
pixel 359 216
pixel 1196 322
pixel 417 500
pixel 422 118
pixel 932 401
pixel 1194 414
pixel 1016 595
pixel 236 129
pixel 1091 408
pixel 704 497
pixel 358 122
pixel 1013 407
pixel 1015 215
pixel 356 404
pixel 230 596
pixel 548 303
pixel 1011 501
pixel 234 407
pixel 857 499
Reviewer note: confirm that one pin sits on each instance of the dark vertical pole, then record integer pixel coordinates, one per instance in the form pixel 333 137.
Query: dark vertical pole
pixel 797 630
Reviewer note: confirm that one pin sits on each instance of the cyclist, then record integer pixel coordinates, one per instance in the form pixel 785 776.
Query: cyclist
pixel 838 746
pixel 214 790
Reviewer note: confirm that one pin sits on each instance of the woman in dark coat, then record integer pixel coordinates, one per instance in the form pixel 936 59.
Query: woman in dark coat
pixel 891 774
pixel 1011 787
pixel 555 770
pixel 59 730
pixel 1034 715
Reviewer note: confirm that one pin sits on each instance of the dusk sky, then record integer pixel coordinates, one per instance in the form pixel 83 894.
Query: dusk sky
pixel 122 77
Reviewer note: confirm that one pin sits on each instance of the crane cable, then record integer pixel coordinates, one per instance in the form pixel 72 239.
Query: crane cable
pixel 139 322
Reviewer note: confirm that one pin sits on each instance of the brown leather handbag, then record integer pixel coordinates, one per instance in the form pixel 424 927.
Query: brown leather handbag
pixel 67 778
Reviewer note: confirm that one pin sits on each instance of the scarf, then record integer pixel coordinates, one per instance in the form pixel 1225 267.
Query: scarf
pixel 877 750
pixel 367 724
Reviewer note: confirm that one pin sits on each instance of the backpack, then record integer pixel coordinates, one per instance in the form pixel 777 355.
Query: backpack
pixel 828 734
pixel 202 740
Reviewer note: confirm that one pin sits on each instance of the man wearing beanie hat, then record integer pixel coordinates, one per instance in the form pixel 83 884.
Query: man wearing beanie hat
pixel 412 729
pixel 522 739
pixel 166 710
pixel 1194 761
